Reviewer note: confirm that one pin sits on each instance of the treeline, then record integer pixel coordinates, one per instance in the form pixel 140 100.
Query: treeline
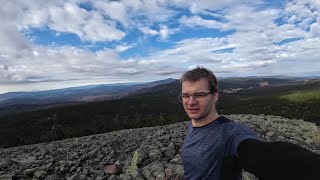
pixel 269 100
pixel 308 111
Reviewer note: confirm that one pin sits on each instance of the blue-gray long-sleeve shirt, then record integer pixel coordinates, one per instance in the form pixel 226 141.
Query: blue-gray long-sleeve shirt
pixel 205 147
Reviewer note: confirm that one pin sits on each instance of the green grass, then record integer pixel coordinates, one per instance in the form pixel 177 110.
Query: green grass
pixel 302 96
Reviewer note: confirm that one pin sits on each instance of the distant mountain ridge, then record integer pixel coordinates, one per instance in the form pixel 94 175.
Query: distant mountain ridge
pixel 30 100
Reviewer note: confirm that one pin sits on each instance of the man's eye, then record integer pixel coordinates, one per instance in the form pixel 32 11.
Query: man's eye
pixel 185 95
pixel 200 95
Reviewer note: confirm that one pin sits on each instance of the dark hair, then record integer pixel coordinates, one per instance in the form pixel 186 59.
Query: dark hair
pixel 198 73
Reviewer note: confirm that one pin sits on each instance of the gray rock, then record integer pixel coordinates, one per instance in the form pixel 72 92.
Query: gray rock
pixel 46 167
pixel 176 169
pixel 125 177
pixel 169 152
pixel 154 170
pixel 39 174
pixel 113 177
pixel 176 160
pixel 82 177
pixel 29 172
pixel 270 133
pixel 171 145
pixel 8 176
pixel 102 178
pixel 73 177
pixel 155 154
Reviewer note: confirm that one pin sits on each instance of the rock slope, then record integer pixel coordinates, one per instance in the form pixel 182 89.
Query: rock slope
pixel 144 153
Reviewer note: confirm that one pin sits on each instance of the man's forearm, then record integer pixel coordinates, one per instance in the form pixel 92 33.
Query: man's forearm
pixel 278 160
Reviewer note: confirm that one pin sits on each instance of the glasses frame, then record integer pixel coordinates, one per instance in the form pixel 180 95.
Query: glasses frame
pixel 180 98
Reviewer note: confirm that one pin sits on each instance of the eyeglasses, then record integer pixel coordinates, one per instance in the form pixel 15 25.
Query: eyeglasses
pixel 196 96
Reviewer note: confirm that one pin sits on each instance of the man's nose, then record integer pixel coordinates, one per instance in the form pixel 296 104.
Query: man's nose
pixel 192 100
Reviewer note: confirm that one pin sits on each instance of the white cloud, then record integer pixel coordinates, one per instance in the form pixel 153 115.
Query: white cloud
pixel 301 12
pixel 154 11
pixel 206 7
pixel 89 26
pixel 116 10
pixel 13 44
pixel 65 16
pixel 149 31
pixel 195 21
pixel 164 32
pixel 244 18
pixel 314 29
pixel 123 47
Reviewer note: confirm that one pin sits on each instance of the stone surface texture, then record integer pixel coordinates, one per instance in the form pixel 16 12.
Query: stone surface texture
pixel 144 153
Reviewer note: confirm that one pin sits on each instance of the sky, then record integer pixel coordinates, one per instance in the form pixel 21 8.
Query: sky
pixel 66 43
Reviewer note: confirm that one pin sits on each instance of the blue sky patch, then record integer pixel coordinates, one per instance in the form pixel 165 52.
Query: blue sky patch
pixel 286 41
pixel 226 50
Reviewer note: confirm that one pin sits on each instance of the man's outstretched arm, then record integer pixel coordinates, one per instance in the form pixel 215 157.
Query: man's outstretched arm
pixel 278 160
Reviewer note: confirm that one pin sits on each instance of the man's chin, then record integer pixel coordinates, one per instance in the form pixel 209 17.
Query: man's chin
pixel 194 117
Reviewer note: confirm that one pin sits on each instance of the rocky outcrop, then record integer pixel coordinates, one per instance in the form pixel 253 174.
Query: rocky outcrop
pixel 144 153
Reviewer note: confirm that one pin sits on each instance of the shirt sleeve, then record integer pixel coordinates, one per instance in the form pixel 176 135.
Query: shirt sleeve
pixel 278 160
pixel 239 133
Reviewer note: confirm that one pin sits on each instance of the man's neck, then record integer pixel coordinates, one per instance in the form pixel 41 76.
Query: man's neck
pixel 207 120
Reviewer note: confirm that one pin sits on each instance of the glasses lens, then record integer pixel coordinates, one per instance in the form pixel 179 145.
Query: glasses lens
pixel 196 97
pixel 180 97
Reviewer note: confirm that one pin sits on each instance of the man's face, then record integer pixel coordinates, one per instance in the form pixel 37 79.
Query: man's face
pixel 201 108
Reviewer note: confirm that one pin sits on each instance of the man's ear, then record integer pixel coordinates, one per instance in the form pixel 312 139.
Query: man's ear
pixel 215 97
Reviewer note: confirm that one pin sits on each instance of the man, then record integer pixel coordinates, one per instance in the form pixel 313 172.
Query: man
pixel 216 148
